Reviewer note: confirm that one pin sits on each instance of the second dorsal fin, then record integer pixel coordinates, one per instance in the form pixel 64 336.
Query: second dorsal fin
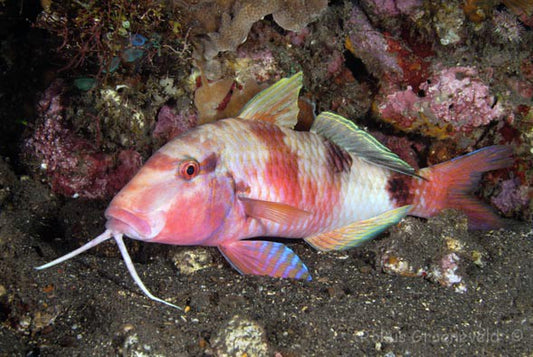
pixel 276 104
pixel 358 142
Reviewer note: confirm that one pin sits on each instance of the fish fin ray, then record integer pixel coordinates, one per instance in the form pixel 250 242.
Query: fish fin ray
pixel 358 232
pixel 264 258
pixel 457 178
pixel 349 136
pixel 276 104
pixel 277 212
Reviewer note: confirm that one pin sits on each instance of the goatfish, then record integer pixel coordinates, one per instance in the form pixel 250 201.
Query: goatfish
pixel 222 183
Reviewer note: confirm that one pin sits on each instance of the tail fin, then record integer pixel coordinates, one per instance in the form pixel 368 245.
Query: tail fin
pixel 448 185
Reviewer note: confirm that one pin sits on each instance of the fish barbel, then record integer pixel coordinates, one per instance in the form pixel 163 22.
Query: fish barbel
pixel 335 186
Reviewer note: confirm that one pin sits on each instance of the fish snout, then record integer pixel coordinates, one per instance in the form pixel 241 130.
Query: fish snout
pixel 130 224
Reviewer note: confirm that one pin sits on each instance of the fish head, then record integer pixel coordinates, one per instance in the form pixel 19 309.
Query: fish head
pixel 180 196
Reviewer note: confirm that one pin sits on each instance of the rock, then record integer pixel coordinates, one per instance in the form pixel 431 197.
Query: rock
pixel 240 336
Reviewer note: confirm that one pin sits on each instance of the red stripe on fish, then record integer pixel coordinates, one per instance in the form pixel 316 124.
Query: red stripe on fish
pixel 281 169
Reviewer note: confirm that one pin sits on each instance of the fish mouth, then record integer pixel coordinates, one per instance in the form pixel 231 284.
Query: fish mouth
pixel 128 223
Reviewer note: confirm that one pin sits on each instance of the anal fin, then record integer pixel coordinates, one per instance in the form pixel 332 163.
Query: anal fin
pixel 358 232
pixel 264 258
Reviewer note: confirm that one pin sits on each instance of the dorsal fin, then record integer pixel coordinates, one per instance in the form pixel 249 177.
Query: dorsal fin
pixel 277 104
pixel 356 141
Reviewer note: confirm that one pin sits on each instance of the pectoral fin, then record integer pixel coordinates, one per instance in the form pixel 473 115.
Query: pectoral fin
pixel 277 212
pixel 264 258
pixel 356 233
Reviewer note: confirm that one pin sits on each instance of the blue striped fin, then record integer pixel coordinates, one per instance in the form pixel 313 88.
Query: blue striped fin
pixel 264 258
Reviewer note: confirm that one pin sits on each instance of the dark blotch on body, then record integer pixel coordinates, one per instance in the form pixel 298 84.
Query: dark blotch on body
pixel 399 189
pixel 338 159
pixel 209 164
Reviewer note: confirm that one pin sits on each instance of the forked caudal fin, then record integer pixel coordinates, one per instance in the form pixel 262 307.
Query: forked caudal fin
pixel 450 183
pixel 127 260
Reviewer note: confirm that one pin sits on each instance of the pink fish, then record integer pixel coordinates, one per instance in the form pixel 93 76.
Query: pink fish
pixel 253 176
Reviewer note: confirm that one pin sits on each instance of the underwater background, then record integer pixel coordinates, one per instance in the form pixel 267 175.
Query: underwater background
pixel 89 90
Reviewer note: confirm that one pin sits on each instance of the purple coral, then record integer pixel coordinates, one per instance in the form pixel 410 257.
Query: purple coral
pixel 171 123
pixel 75 166
pixel 371 46
pixel 454 97
pixel 392 8
pixel 459 97
pixel 400 107
pixel 512 198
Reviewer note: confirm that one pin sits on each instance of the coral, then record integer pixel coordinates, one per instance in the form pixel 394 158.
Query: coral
pixel 298 38
pixel 513 198
pixel 74 165
pixel 459 97
pixel 449 24
pixel 371 47
pixel 226 97
pixel 390 8
pixel 522 88
pixel 477 10
pixel 98 34
pixel 393 60
pixel 171 122
pixel 506 28
pixel 234 29
pixel 453 100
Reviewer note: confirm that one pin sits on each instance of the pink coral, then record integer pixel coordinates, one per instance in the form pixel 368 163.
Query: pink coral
pixel 395 58
pixel 298 38
pixel 335 64
pixel 74 165
pixel 400 107
pixel 171 123
pixel 513 197
pixel 459 97
pixel 370 45
pixel 453 100
pixel 391 8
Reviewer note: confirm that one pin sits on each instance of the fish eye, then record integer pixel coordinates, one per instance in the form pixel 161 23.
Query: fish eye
pixel 189 169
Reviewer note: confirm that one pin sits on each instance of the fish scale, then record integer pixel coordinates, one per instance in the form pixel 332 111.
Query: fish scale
pixel 317 189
